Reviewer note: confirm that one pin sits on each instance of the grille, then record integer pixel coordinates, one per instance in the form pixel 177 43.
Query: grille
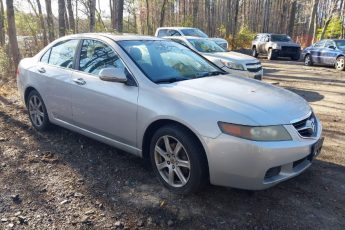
pixel 255 69
pixel 289 49
pixel 306 127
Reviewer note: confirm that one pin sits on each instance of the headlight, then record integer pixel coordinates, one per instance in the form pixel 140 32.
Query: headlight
pixel 276 46
pixel 232 65
pixel 256 133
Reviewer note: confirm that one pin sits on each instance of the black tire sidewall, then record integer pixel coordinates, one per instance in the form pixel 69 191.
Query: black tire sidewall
pixel 198 170
pixel 255 52
pixel 270 55
pixel 45 125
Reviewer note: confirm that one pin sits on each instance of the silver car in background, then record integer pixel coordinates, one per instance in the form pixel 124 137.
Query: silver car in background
pixel 232 62
pixel 161 101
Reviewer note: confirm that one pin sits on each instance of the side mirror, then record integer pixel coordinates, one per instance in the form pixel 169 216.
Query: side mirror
pixel 331 47
pixel 113 74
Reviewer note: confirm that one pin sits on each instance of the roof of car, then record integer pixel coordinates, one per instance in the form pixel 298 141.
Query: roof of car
pixel 114 36
pixel 175 27
pixel 183 37
pixel 271 34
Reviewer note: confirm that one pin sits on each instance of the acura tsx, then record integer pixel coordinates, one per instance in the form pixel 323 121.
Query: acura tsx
pixel 165 103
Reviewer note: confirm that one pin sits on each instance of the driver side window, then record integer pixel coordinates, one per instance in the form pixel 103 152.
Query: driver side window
pixel 95 56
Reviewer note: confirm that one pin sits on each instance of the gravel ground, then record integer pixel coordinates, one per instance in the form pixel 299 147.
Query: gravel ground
pixel 63 180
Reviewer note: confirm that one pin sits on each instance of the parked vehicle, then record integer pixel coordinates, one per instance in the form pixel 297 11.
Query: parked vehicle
pixel 326 52
pixel 188 31
pixel 163 102
pixel 231 62
pixel 275 45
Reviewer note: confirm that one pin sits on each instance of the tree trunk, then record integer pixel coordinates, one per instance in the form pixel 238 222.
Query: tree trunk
pixel 161 21
pixel 45 39
pixel 292 18
pixel 50 21
pixel 70 15
pixel 62 24
pixel 12 33
pixel 195 12
pixel 92 5
pixel 119 15
pixel 2 24
pixel 148 17
pixel 310 36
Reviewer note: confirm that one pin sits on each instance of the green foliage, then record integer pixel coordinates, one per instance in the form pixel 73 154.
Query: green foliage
pixel 333 30
pixel 5 66
pixel 27 24
pixel 243 39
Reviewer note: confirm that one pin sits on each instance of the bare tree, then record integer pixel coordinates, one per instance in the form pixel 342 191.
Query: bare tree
pixel 328 20
pixel 119 15
pixel 12 33
pixel 50 20
pixel 70 15
pixel 62 24
pixel 45 39
pixel 311 26
pixel 92 17
pixel 292 17
pixel 2 24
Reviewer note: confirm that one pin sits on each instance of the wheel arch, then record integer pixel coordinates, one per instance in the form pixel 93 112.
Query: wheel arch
pixel 27 92
pixel 155 125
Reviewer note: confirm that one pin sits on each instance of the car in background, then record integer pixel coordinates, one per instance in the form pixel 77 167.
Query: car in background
pixel 161 101
pixel 188 31
pixel 231 62
pixel 275 45
pixel 329 52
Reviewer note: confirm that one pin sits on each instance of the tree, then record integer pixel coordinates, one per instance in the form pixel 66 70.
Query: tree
pixel 70 15
pixel 292 17
pixel 92 17
pixel 311 26
pixel 328 20
pixel 119 15
pixel 2 24
pixel 12 33
pixel 45 39
pixel 50 20
pixel 62 24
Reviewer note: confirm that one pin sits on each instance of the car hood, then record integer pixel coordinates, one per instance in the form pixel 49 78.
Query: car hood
pixel 241 100
pixel 231 56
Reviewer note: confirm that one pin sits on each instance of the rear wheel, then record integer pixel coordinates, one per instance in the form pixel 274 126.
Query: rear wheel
pixel 307 60
pixel 37 111
pixel 340 63
pixel 255 52
pixel 178 160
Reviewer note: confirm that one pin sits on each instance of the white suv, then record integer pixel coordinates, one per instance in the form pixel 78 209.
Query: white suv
pixel 188 31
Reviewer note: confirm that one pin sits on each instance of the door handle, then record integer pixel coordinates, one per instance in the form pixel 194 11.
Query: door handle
pixel 79 81
pixel 41 70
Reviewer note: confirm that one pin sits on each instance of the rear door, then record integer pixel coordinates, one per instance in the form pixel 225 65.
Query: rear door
pixel 105 108
pixel 56 65
pixel 316 52
pixel 328 53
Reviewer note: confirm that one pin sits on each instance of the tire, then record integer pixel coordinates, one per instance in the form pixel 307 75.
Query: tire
pixel 255 52
pixel 270 55
pixel 190 161
pixel 307 60
pixel 295 57
pixel 340 63
pixel 37 111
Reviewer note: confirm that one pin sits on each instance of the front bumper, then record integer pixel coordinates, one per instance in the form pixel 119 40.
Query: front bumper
pixel 244 73
pixel 245 164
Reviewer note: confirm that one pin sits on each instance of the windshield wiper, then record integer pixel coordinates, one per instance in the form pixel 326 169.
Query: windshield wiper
pixel 214 73
pixel 170 80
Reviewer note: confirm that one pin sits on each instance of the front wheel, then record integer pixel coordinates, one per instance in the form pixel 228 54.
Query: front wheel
pixel 295 57
pixel 340 63
pixel 178 160
pixel 307 60
pixel 255 52
pixel 37 111
pixel 270 55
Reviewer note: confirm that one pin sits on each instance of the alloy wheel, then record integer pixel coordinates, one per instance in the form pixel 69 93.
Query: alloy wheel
pixel 340 64
pixel 307 60
pixel 36 110
pixel 172 161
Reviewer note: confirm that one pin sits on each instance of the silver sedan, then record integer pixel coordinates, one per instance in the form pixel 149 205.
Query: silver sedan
pixel 161 101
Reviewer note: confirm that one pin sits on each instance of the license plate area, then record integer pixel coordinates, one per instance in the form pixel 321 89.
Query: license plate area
pixel 316 149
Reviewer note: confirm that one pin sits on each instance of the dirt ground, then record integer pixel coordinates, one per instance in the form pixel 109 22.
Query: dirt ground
pixel 63 180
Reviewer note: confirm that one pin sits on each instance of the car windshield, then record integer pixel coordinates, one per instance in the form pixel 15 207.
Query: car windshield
pixel 206 46
pixel 194 33
pixel 340 44
pixel 167 61
pixel 280 38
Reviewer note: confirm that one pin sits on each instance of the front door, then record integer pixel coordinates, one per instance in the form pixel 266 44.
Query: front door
pixel 105 108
